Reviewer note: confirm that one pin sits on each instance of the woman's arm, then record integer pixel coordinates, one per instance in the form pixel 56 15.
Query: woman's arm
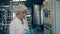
pixel 12 29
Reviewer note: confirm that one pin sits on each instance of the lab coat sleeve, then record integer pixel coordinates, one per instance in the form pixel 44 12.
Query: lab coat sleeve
pixel 12 29
pixel 26 25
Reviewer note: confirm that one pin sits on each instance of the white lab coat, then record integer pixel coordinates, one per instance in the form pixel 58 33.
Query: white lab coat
pixel 16 26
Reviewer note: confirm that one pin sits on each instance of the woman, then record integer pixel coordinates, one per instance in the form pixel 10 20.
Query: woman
pixel 19 25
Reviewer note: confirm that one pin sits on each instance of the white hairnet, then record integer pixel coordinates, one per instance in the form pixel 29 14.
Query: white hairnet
pixel 19 8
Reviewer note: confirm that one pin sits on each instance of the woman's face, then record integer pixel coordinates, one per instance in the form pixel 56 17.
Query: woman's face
pixel 22 14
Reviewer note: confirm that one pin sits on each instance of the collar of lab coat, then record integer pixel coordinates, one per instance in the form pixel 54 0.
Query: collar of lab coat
pixel 16 18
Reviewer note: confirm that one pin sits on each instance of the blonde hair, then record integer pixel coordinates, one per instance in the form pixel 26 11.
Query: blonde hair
pixel 19 8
